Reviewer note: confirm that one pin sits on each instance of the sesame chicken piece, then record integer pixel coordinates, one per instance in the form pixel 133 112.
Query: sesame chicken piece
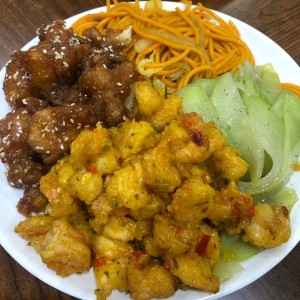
pixel 16 85
pixel 53 130
pixel 108 90
pixel 14 130
pixel 33 201
pixel 54 60
pixel 23 164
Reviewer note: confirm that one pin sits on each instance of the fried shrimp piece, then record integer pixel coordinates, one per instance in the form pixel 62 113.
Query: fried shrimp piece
pixel 53 129
pixel 24 167
pixel 150 282
pixel 188 139
pixel 270 227
pixel 64 249
pixel 195 271
pixel 173 238
pixel 229 163
pixel 152 106
pixel 34 229
pixel 231 208
pixel 192 201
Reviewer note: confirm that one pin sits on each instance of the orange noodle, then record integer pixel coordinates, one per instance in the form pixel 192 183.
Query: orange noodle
pixel 292 87
pixel 173 47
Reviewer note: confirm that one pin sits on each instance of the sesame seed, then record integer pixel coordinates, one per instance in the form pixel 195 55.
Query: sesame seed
pixel 39 148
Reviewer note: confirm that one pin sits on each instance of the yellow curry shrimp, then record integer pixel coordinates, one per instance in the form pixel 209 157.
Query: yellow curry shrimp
pixel 144 203
pixel 270 226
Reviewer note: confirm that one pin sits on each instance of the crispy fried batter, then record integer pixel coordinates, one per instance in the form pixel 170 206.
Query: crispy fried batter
pixel 53 61
pixel 108 90
pixel 24 165
pixel 54 128
pixel 33 200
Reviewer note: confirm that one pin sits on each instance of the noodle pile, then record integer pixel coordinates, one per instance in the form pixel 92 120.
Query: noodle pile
pixel 173 47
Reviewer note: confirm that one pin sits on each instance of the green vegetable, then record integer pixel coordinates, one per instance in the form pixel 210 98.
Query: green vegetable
pixel 287 197
pixel 233 251
pixel 226 269
pixel 256 117
pixel 234 248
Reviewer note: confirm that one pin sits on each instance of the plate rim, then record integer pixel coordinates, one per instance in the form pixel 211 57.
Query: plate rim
pixel 285 249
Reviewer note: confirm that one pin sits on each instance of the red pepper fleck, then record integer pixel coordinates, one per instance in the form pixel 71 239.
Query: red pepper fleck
pixel 123 208
pixel 138 259
pixel 91 169
pixel 99 261
pixel 187 123
pixel 170 264
pixel 251 211
pixel 236 211
pixel 138 252
pixel 201 246
pixel 177 232
pixel 246 199
pixel 141 78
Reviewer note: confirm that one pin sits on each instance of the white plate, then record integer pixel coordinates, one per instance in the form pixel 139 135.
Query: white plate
pixel 82 286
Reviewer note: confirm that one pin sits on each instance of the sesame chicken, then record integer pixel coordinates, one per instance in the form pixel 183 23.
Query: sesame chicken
pixel 56 89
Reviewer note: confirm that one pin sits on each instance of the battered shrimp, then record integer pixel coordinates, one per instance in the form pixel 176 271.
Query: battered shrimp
pixel 270 226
